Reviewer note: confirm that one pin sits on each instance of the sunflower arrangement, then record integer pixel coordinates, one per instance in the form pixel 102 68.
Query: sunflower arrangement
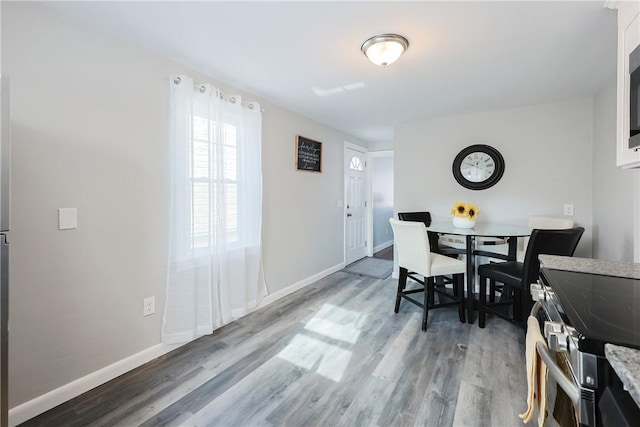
pixel 465 210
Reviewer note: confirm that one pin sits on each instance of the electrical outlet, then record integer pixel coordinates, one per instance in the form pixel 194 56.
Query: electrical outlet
pixel 67 218
pixel 568 209
pixel 149 306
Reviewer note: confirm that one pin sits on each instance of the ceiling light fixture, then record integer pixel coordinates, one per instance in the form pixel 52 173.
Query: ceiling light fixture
pixel 384 49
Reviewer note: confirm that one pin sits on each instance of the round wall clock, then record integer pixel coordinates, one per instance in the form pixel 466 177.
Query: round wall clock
pixel 478 167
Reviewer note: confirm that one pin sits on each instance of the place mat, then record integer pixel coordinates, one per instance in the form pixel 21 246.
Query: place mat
pixel 371 267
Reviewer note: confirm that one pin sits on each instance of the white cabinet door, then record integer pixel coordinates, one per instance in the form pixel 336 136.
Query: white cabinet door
pixel 628 40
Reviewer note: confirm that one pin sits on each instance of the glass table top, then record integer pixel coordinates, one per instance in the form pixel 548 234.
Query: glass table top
pixel 481 229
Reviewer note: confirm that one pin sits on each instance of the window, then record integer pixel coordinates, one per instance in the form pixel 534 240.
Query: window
pixel 216 171
pixel 214 182
pixel 356 164
pixel 215 210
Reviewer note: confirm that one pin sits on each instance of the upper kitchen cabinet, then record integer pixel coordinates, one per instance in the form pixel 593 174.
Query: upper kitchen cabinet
pixel 628 116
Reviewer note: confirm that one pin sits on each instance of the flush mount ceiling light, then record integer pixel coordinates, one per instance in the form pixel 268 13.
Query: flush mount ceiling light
pixel 384 49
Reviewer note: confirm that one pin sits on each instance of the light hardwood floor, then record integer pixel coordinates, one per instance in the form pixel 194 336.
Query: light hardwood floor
pixel 332 354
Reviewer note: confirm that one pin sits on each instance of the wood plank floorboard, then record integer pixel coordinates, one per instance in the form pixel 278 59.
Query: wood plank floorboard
pixel 386 253
pixel 331 354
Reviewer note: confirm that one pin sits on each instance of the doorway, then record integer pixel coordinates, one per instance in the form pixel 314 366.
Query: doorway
pixel 355 203
pixel 381 196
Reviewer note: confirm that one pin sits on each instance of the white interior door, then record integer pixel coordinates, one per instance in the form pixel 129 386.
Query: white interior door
pixel 355 205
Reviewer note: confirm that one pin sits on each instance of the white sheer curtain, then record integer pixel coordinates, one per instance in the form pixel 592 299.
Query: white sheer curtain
pixel 214 264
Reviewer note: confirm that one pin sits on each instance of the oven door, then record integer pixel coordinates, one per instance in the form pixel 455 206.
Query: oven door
pixel 565 380
pixel 579 379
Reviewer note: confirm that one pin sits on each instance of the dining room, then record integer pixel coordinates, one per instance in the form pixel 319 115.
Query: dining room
pixel 553 165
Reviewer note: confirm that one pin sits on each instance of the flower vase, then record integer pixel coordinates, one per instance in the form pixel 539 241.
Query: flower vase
pixel 463 222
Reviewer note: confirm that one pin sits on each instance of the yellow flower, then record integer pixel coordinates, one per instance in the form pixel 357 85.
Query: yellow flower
pixel 472 211
pixel 459 209
pixel 465 210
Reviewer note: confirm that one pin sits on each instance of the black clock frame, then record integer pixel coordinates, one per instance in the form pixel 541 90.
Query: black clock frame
pixel 489 182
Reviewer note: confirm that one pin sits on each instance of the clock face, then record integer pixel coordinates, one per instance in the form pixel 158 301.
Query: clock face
pixel 478 167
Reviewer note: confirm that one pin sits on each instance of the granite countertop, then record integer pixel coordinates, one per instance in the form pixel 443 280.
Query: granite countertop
pixel 593 266
pixel 626 362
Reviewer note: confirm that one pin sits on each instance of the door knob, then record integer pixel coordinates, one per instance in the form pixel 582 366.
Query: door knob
pixel 348 215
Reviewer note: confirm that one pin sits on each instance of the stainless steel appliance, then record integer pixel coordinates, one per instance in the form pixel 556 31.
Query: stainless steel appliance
pixel 634 98
pixel 5 190
pixel 580 313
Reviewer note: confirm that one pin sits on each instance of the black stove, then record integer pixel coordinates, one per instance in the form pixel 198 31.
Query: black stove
pixel 602 309
pixel 580 313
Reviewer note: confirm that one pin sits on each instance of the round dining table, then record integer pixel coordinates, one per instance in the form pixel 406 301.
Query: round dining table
pixel 503 231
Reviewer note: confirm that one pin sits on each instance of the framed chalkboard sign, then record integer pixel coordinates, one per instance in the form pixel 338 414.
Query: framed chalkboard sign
pixel 308 154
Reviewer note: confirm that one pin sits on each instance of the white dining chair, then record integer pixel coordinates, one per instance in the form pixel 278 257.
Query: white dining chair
pixel 543 223
pixel 415 256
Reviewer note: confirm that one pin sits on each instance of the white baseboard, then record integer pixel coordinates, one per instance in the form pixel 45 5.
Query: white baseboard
pixel 43 403
pixel 382 246
pixel 40 404
pixel 299 285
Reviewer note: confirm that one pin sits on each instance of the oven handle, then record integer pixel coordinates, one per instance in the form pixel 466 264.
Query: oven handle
pixel 567 385
pixel 535 309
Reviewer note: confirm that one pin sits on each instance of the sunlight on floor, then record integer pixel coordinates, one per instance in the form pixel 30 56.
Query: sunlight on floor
pixel 328 360
pixel 337 323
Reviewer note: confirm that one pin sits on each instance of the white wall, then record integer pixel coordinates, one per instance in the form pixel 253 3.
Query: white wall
pixel 612 186
pixel 382 203
pixel 89 123
pixel 547 151
pixel 302 225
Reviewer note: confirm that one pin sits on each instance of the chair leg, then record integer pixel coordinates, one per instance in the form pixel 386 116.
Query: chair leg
pixel 517 305
pixel 526 308
pixel 522 314
pixel 428 289
pixel 492 291
pixel 527 305
pixel 458 291
pixel 482 301
pixel 402 283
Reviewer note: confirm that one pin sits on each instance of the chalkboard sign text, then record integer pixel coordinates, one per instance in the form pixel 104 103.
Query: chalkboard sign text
pixel 308 154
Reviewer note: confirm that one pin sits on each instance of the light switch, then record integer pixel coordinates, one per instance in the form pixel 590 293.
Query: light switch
pixel 67 218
